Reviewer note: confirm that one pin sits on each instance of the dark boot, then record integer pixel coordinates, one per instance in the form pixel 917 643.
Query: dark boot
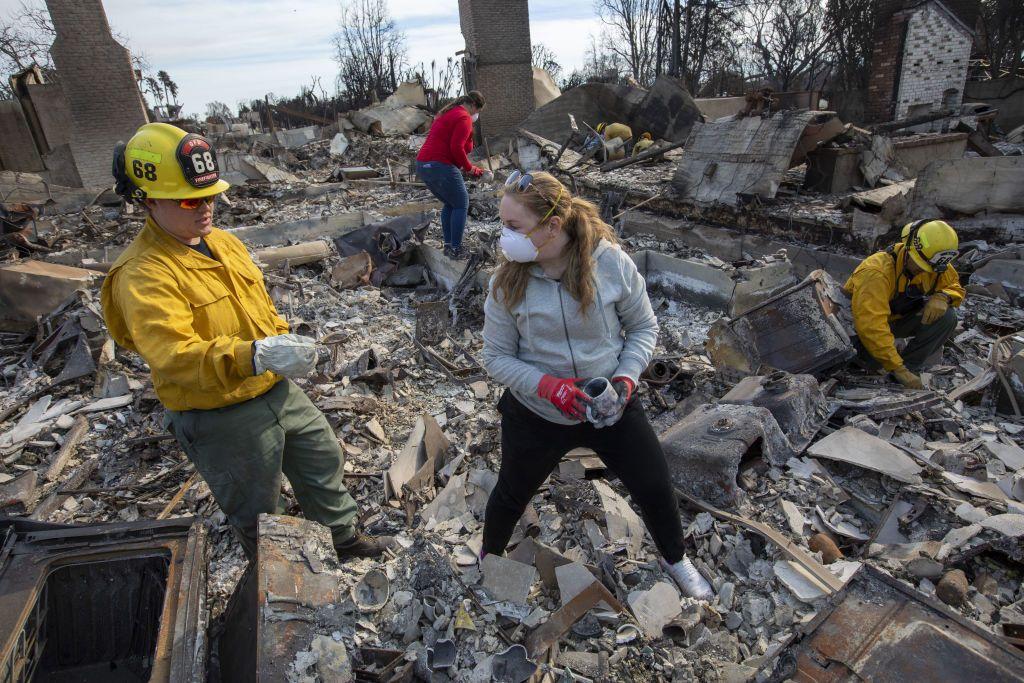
pixel 362 545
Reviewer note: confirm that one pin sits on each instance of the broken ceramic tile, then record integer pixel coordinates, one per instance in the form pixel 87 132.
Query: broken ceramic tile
pixel 855 447
pixel 656 607
pixel 507 579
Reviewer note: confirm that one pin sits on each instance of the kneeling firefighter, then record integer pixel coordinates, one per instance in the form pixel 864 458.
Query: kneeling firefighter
pixel 909 290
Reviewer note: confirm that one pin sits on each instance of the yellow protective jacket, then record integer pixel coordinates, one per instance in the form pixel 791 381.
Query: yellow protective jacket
pixel 192 318
pixel 874 284
pixel 617 130
pixel 642 145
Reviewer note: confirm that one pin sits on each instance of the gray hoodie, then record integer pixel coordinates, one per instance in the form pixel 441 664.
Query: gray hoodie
pixel 547 334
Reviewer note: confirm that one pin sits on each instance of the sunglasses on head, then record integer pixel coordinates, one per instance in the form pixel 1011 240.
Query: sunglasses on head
pixel 519 181
pixel 193 203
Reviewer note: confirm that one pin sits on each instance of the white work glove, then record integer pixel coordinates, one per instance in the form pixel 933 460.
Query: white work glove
pixel 291 355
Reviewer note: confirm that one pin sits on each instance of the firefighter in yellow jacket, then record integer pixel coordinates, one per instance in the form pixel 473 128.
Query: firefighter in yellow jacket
pixel 909 290
pixel 188 298
pixel 643 144
pixel 615 131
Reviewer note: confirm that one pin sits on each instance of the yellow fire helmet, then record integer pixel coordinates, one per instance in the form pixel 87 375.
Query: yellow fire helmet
pixel 932 244
pixel 646 136
pixel 162 161
pixel 600 127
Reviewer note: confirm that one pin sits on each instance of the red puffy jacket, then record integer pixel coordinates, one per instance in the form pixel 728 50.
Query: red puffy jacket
pixel 450 139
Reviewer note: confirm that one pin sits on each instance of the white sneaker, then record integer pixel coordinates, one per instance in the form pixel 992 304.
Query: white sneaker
pixel 689 579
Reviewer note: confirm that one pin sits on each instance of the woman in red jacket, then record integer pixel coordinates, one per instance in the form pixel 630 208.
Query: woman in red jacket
pixel 441 160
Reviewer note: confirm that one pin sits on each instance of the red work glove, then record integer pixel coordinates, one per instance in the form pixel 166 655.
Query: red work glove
pixel 476 171
pixel 564 395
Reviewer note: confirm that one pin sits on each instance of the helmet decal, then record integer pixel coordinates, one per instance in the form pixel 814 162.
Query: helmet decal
pixel 198 160
pixel 942 259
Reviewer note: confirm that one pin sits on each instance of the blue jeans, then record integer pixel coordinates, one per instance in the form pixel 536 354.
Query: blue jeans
pixel 445 181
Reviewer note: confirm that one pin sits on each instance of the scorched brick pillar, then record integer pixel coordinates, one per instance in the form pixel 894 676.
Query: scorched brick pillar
pixel 497 34
pixel 99 85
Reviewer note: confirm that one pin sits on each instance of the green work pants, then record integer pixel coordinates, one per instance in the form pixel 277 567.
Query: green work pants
pixel 925 340
pixel 242 450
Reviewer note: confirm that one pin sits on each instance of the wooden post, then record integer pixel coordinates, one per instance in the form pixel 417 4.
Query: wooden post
pixel 67 451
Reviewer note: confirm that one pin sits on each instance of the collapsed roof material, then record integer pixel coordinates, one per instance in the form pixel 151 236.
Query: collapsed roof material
pixel 745 156
pixel 799 331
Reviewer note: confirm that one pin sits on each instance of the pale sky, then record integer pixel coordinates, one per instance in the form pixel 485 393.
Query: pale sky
pixel 244 49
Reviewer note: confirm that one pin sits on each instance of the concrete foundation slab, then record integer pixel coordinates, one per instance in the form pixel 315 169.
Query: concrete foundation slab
pixel 685 280
pixel 915 154
pixel 732 245
pixel 970 186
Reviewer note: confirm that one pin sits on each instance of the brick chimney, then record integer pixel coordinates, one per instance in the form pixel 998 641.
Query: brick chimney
pixel 497 34
pixel 96 74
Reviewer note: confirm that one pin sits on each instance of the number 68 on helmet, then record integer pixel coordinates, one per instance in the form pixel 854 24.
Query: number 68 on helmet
pixel 162 161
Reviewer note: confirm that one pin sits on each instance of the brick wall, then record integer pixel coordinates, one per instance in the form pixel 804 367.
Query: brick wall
pixel 885 60
pixel 497 34
pixel 934 65
pixel 888 97
pixel 99 85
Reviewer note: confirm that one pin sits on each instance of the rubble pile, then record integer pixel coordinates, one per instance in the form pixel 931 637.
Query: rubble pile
pixel 790 484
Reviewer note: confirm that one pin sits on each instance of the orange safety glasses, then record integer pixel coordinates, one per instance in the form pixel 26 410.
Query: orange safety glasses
pixel 193 203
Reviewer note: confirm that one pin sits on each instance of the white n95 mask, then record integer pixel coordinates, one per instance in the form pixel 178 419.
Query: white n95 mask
pixel 517 247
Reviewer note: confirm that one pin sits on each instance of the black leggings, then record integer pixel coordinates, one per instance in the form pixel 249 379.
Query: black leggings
pixel 531 448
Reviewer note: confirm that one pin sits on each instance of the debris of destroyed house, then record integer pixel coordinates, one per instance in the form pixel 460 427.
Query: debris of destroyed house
pixel 830 473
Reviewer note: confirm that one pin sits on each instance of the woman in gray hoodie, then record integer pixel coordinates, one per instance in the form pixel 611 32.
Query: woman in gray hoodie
pixel 568 305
